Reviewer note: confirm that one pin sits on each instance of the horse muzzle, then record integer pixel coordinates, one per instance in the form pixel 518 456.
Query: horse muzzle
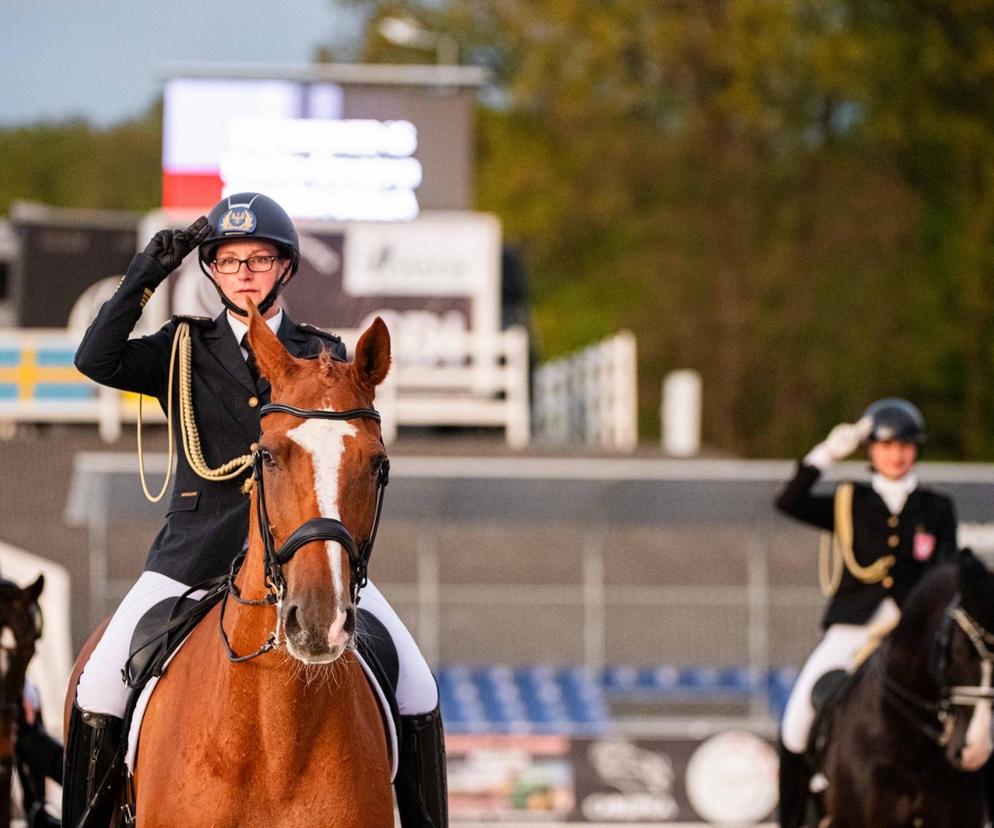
pixel 318 637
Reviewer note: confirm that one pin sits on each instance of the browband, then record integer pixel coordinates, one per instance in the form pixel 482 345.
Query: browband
pixel 309 413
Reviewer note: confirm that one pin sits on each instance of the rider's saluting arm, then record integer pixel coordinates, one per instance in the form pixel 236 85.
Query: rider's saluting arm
pixel 927 527
pixel 796 498
pixel 106 354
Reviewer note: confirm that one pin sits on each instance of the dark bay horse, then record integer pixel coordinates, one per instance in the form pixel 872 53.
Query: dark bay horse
pixel 20 629
pixel 914 724
pixel 272 722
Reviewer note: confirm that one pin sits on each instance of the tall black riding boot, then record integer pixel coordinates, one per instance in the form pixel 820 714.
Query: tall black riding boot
pixel 987 775
pixel 93 772
pixel 794 781
pixel 422 794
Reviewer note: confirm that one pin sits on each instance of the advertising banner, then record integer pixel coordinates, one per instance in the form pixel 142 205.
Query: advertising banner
pixel 726 779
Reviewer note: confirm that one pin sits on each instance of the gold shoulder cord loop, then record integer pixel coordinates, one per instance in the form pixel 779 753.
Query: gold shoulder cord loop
pixel 169 428
pixel 837 550
pixel 188 424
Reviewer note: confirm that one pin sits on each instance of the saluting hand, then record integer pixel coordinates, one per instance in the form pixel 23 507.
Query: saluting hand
pixel 842 441
pixel 169 247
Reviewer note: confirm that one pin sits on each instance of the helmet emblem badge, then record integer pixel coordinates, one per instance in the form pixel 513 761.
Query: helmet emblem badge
pixel 237 220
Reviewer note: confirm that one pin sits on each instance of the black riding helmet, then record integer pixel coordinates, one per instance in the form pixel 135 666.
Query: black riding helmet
pixel 895 419
pixel 254 216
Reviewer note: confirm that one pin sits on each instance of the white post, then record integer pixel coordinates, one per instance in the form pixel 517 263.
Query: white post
pixel 518 409
pixel 624 396
pixel 109 404
pixel 386 404
pixel 681 413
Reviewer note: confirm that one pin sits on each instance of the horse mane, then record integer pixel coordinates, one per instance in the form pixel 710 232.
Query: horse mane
pixel 967 576
pixel 930 596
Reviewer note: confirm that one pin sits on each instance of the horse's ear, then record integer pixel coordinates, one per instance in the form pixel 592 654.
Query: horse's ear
pixel 273 360
pixel 971 568
pixel 34 591
pixel 977 584
pixel 372 355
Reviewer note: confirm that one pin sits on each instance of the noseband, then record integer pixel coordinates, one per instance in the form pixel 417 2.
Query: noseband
pixel 922 711
pixel 316 529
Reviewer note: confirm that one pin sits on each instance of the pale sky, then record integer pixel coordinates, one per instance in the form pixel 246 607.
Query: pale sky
pixel 105 60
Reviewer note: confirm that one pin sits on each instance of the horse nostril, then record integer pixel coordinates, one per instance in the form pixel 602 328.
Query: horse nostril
pixel 350 620
pixel 290 620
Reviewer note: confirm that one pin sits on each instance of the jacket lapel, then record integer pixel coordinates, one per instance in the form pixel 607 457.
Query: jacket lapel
pixel 293 339
pixel 228 352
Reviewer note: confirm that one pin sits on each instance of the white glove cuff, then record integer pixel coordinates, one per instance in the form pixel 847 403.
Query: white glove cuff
pixel 820 457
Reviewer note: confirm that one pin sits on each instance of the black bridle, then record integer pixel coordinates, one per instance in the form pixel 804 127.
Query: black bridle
pixel 934 717
pixel 315 529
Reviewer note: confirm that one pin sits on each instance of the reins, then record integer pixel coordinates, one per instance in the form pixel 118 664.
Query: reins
pixel 315 529
pixel 919 710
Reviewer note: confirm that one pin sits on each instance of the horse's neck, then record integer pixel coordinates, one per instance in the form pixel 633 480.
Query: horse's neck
pixel 908 649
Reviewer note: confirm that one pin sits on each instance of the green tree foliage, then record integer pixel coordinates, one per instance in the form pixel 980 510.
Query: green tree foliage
pixel 76 165
pixel 794 197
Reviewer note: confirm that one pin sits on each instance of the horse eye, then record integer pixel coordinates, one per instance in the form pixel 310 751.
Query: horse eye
pixel 267 457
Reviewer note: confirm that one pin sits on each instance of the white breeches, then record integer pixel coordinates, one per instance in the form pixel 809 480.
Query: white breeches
pixel 101 686
pixel 837 650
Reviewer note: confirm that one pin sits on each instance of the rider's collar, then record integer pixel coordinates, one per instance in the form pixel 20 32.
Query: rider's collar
pixel 894 492
pixel 239 328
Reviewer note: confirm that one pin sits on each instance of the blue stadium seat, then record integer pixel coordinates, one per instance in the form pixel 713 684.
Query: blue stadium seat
pixel 574 700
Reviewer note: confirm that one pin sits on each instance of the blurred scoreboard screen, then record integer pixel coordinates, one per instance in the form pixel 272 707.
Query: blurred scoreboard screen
pixel 344 151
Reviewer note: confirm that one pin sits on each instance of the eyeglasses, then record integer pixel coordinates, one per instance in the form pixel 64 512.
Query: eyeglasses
pixel 257 264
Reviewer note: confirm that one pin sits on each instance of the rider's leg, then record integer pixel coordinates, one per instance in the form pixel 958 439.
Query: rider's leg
pixel 421 784
pixel 94 743
pixel 93 769
pixel 794 780
pixel 837 649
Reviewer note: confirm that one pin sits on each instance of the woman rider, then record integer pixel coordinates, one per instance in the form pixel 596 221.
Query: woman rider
pixel 894 529
pixel 249 250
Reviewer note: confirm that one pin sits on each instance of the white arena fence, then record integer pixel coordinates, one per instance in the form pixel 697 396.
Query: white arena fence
pixel 590 397
pixel 457 378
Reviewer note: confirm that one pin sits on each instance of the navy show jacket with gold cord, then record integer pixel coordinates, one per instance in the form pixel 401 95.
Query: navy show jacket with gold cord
pixel 206 521
pixel 922 535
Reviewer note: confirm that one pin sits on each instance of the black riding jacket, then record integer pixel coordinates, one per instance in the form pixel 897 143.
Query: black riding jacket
pixel 922 535
pixel 206 521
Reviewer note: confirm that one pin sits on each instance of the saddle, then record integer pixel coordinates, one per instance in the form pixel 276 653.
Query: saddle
pixel 165 626
pixel 827 696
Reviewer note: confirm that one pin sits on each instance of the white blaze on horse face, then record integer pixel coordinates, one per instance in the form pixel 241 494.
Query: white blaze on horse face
pixel 978 747
pixel 325 440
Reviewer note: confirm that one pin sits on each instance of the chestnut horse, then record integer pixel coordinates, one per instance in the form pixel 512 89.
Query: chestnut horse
pixel 913 726
pixel 272 722
pixel 20 629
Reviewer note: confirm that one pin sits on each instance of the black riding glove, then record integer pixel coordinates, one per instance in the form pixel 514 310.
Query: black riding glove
pixel 169 247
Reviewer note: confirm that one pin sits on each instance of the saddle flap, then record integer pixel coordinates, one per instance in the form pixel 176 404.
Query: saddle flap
pixel 158 634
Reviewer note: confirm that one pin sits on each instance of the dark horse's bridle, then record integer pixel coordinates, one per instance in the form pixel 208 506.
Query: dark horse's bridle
pixel 933 718
pixel 316 529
